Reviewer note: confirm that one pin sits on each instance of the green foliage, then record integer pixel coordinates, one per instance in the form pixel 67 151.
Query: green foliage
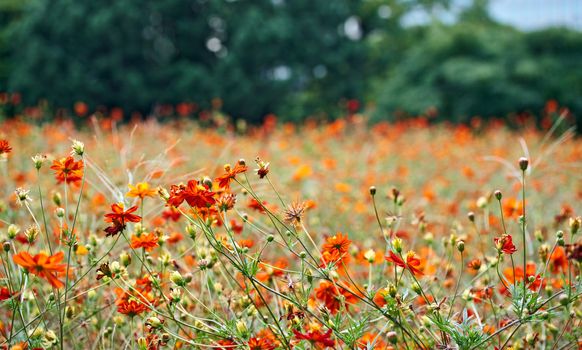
pixel 293 58
pixel 480 68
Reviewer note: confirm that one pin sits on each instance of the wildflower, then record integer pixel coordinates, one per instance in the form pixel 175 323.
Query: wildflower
pixel 5 294
pixel 333 295
pixel 131 307
pixel 119 215
pixel 259 343
pixel 226 201
pixel 68 170
pixel 118 218
pixel 5 148
pixel 558 260
pixel 22 196
pixel 77 148
pixel 147 241
pixel 225 179
pixel 43 266
pixel 38 160
pixel 104 271
pixel 504 244
pixel 263 169
pixel 318 339
pixel 194 193
pixel 141 190
pixel 258 206
pixel 412 263
pixel 294 213
pixel 474 264
pixel 337 242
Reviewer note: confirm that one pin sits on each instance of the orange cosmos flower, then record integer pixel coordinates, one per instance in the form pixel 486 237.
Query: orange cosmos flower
pixel 225 179
pixel 558 259
pixel 259 343
pixel 68 170
pixel 338 243
pixel 330 294
pixel 118 218
pixel 119 215
pixel 131 307
pixel 194 193
pixel 43 266
pixel 5 147
pixel 147 241
pixel 504 244
pixel 316 338
pixel 141 190
pixel 412 263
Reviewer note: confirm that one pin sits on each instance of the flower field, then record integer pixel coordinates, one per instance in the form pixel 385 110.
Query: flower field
pixel 342 235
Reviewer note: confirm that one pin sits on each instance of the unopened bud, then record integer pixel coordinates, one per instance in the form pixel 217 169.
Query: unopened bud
pixel 523 163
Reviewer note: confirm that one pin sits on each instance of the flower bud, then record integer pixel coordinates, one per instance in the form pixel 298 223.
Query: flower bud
pixel 57 199
pixel 125 259
pixel 575 224
pixel 38 160
pixel 498 195
pixel 471 216
pixel 13 231
pixel 6 246
pixel 397 244
pixel 78 148
pixel 392 337
pixel 177 279
pixel 461 246
pixel 60 212
pixel 523 163
pixel 372 190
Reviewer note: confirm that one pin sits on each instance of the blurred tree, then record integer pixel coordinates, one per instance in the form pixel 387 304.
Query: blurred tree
pixel 478 67
pixel 289 57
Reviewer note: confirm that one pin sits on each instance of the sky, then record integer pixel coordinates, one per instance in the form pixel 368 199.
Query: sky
pixel 536 14
pixel 523 14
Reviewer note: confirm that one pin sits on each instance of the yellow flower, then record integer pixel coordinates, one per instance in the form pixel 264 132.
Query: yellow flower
pixel 141 190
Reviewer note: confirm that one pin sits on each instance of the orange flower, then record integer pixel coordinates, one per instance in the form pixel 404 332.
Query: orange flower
pixel 68 170
pixel 338 243
pixel 131 307
pixel 558 259
pixel 43 266
pixel 259 343
pixel 5 147
pixel 147 241
pixel 330 294
pixel 194 193
pixel 121 216
pixel 118 218
pixel 141 190
pixel 225 179
pixel 512 208
pixel 412 263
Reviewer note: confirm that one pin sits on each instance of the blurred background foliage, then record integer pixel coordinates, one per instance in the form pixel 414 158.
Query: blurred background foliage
pixel 294 58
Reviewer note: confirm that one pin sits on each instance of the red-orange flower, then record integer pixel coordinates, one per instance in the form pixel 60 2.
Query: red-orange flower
pixel 5 147
pixel 225 179
pixel 131 307
pixel 43 266
pixel 194 193
pixel 505 244
pixel 559 261
pixel 331 295
pixel 118 218
pixel 68 170
pixel 412 263
pixel 147 241
pixel 119 215
pixel 260 343
pixel 318 339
